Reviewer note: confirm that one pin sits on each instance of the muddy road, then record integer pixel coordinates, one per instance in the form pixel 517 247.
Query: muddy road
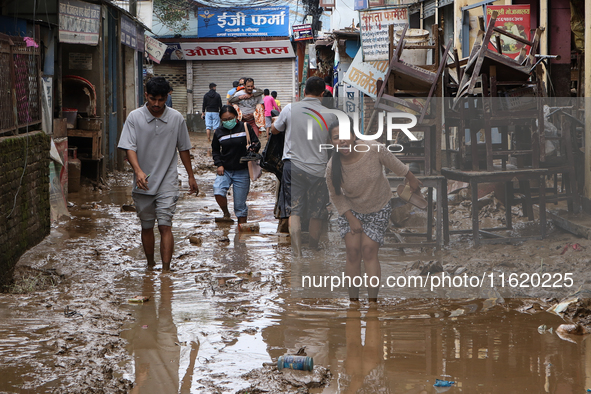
pixel 218 322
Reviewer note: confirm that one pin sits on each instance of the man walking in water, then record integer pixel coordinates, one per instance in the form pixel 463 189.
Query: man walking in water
pixel 151 137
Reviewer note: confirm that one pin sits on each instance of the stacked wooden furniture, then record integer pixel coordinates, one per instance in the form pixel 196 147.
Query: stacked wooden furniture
pixel 403 84
pixel 494 91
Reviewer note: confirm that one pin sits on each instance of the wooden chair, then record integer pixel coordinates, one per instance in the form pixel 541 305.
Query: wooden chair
pixel 482 57
pixel 403 83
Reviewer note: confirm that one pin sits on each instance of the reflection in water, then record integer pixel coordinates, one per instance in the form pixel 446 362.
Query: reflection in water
pixel 404 349
pixel 155 347
pixel 364 364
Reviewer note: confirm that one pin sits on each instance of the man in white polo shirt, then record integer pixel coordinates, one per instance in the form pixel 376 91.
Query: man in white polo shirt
pixel 151 136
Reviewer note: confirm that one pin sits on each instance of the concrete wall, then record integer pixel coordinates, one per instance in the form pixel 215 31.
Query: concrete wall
pixel 29 222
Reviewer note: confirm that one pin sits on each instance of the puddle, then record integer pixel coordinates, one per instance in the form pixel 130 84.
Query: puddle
pixel 227 309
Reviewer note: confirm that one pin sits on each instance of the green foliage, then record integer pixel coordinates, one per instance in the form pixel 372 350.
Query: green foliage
pixel 173 14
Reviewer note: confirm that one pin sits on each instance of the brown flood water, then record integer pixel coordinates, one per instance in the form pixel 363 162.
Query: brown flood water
pixel 226 310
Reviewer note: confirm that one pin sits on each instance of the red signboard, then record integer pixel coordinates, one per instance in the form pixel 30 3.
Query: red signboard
pixel 516 20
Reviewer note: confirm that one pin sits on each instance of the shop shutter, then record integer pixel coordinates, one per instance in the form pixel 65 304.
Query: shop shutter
pixel 276 74
pixel 176 74
pixel 429 8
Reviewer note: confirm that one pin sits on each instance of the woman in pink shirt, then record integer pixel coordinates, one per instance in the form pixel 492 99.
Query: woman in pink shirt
pixel 270 104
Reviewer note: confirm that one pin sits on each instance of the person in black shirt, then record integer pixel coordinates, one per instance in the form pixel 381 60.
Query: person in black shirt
pixel 212 103
pixel 228 146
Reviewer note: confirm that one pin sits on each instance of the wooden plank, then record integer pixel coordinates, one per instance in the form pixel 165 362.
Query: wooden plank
pixel 513 36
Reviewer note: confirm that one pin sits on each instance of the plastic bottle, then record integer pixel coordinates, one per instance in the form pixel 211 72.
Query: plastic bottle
pixel 302 363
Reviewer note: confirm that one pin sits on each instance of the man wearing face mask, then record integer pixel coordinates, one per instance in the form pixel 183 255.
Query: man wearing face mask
pixel 228 146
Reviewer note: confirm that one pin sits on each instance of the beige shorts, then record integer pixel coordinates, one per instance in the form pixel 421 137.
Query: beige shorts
pixel 160 206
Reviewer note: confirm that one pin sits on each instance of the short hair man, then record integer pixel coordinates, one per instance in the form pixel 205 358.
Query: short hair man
pixel 212 104
pixel 250 102
pixel 151 137
pixel 303 184
pixel 169 98
pixel 231 91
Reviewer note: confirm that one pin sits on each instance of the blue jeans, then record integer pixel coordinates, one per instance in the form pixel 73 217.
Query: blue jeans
pixel 241 181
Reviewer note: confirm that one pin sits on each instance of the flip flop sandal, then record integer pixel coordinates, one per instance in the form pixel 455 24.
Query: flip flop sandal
pixel 405 193
pixel 250 156
pixel 224 219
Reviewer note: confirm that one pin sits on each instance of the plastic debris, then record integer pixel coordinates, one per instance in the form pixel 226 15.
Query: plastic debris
pixel 443 383
pixel 544 328
pixel 576 247
pixel 302 363
pixel 562 306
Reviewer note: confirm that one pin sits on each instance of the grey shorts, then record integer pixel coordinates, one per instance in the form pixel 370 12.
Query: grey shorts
pixel 160 206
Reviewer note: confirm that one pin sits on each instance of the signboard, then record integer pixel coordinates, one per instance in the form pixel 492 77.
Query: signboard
pixel 359 5
pixel 141 43
pixel 174 52
pixel 302 32
pixel 155 49
pixel 351 103
pixel 79 22
pixel 80 61
pixel 374 31
pixel 237 50
pixel 364 75
pixel 516 20
pixel 128 32
pixel 243 22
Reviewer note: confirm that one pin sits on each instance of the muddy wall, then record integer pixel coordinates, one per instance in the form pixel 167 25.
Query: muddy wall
pixel 28 222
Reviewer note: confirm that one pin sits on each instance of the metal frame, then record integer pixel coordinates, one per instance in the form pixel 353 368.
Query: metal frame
pixel 14 113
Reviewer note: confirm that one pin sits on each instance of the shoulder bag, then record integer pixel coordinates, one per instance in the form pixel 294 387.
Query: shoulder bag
pixel 254 169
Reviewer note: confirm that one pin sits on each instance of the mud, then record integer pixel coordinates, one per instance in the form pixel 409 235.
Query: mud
pixel 218 322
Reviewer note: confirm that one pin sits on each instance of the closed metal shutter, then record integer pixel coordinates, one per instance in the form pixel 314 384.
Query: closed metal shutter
pixel 176 74
pixel 429 8
pixel 276 74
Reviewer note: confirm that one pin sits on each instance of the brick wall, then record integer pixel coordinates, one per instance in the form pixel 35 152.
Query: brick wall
pixel 29 222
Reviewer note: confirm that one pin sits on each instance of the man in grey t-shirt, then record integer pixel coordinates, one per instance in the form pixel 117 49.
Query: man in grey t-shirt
pixel 151 136
pixel 303 187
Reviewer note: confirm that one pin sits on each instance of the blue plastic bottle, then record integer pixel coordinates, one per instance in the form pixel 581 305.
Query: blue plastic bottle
pixel 302 363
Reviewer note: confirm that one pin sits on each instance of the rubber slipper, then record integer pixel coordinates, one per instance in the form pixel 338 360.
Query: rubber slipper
pixel 406 194
pixel 224 220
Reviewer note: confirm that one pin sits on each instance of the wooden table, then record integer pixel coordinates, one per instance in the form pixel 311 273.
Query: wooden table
pixel 524 176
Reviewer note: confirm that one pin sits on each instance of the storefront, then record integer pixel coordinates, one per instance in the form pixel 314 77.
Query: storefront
pixel 270 63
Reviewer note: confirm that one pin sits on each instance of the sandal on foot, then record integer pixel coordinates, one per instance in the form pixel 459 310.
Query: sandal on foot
pixel 224 219
pixel 406 194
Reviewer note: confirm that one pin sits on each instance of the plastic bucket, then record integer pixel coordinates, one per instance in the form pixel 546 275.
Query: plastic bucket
pixel 418 57
pixel 71 115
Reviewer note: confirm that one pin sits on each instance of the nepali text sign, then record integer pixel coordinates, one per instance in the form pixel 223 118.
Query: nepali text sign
pixel 79 22
pixel 237 50
pixel 364 75
pixel 374 31
pixel 515 19
pixel 302 32
pixel 128 32
pixel 155 49
pixel 243 22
